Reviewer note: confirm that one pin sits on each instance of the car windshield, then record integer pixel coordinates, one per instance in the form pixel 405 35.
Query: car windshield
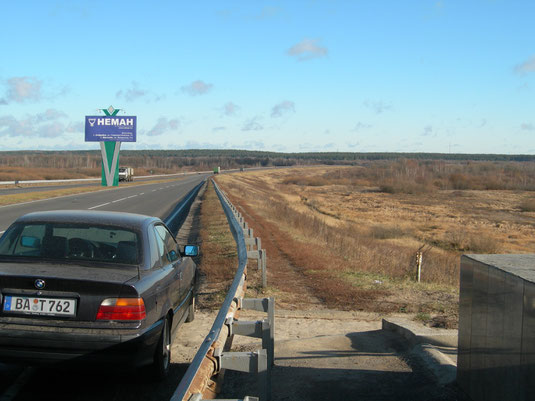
pixel 71 242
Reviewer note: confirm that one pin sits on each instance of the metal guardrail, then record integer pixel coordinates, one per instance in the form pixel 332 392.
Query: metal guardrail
pixel 177 216
pixel 212 355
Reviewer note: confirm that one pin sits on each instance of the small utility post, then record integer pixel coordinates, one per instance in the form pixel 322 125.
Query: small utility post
pixel 419 256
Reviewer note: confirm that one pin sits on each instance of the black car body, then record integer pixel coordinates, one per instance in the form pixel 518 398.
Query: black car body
pixel 94 286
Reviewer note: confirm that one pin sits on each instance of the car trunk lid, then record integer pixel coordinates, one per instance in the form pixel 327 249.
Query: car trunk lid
pixel 86 286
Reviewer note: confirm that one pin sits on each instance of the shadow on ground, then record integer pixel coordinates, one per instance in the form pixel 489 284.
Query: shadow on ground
pixel 62 383
pixel 370 365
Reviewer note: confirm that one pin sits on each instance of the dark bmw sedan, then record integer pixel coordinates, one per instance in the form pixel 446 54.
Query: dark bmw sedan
pixel 95 287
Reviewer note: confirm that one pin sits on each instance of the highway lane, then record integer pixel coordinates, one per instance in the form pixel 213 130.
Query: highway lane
pixel 151 199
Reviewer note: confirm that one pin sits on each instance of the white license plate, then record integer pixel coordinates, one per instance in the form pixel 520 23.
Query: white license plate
pixel 40 306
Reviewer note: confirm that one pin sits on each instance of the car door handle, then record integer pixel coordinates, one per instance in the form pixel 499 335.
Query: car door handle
pixel 179 275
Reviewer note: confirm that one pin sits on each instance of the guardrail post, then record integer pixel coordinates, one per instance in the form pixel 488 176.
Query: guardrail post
pixel 263 263
pixel 261 257
pixel 249 362
pixel 255 255
pixel 253 242
pixel 267 326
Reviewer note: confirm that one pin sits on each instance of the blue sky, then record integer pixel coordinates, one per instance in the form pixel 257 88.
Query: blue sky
pixel 290 76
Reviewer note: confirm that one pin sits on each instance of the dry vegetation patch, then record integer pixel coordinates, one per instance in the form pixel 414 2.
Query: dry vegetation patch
pixel 353 246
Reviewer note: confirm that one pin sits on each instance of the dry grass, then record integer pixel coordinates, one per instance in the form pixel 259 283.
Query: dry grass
pixel 353 247
pixel 219 255
pixel 414 176
pixel 31 173
pixel 528 205
pixel 312 263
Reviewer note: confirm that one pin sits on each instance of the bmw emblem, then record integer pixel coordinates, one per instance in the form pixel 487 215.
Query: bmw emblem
pixel 39 284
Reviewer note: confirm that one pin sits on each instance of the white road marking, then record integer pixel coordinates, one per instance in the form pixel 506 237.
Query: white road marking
pixel 94 207
pixel 133 196
pixel 142 193
pixel 154 190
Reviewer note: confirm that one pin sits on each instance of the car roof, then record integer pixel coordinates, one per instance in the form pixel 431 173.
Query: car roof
pixel 121 219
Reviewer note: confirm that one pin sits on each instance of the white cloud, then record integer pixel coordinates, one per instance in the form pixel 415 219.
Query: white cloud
pixel 22 89
pixel 162 126
pixel 252 125
pixel 216 129
pixel 361 126
pixel 28 89
pixel 307 49
pixel 253 145
pixel 48 115
pixel 135 92
pixel 132 93
pixel 283 108
pixel 428 131
pixel 377 106
pixel 526 66
pixel 43 125
pixel 307 146
pixel 527 127
pixel 197 88
pixel 230 109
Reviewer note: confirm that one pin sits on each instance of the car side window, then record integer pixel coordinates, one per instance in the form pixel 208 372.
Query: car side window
pixel 169 244
pixel 155 252
pixel 162 251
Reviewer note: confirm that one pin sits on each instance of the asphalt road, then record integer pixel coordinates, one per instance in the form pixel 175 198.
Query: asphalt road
pixel 151 199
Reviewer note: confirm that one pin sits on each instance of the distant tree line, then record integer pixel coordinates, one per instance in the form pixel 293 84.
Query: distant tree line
pixel 202 159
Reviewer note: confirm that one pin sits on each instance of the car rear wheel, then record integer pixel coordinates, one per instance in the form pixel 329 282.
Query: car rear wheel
pixel 162 356
pixel 191 310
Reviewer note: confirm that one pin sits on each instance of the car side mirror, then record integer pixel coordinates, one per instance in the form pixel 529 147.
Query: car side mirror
pixel 191 250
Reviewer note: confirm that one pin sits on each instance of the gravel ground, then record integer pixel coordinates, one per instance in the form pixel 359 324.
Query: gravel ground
pixel 327 355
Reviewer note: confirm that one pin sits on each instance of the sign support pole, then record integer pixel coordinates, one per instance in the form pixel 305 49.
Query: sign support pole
pixel 110 163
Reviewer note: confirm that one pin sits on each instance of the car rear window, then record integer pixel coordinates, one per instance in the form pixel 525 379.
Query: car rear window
pixel 71 242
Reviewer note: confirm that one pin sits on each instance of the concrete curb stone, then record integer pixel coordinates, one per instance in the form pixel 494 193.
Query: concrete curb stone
pixel 437 348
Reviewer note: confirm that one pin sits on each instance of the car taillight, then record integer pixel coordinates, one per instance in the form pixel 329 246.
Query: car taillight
pixel 122 309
